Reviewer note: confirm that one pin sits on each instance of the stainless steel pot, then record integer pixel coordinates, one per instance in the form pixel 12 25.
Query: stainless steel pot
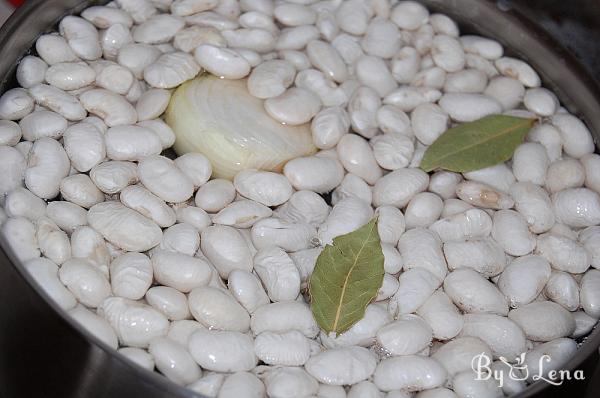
pixel 43 353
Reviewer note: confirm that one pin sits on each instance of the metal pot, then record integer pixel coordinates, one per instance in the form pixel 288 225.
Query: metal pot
pixel 43 353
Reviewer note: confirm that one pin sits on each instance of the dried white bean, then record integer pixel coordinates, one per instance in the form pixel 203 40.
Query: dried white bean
pixel 136 324
pixel 543 320
pixel 45 273
pixel 222 351
pixel 518 69
pixel 443 317
pixel 410 373
pixel 124 227
pixel 590 299
pixel 511 232
pixel 66 215
pixel 577 207
pixel 48 165
pixel 87 283
pixel 472 293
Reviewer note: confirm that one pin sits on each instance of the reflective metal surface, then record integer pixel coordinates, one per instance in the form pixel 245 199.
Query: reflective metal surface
pixel 44 354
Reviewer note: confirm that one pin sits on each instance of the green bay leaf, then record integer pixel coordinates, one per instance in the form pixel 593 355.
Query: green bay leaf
pixel 347 276
pixel 477 145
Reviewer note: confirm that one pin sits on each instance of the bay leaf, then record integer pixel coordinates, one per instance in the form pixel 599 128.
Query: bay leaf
pixel 347 276
pixel 476 145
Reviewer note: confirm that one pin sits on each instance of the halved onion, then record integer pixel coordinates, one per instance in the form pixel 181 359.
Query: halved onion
pixel 220 119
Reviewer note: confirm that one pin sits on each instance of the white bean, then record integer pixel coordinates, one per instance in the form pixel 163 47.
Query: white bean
pixel 290 236
pixel 415 286
pixel 124 227
pixel 20 202
pixel 441 315
pixel 557 351
pixel 407 98
pixel 583 324
pixel 352 186
pixel 470 224
pixel 45 273
pixel 66 215
pixel 457 355
pixel 410 372
pixel 447 53
pixel 409 15
pixel 504 337
pixel 530 163
pixel 518 69
pixel 465 107
pixel 131 275
pixel 132 143
pixel 484 256
pixel 284 316
pixel 222 351
pixel 392 151
pixel 533 202
pixel 288 349
pixel 314 173
pixel 217 309
pixel 577 207
pixel 422 248
pixel 70 76
pixel 339 366
pixel 87 283
pixel 59 101
pixel 466 81
pixel 399 186
pixel 161 176
pixel 326 58
pixel 304 207
pixel 140 199
pixel 48 165
pixel 295 106
pixel 348 47
pixel 590 299
pixel 79 189
pixel 329 126
pixel 563 289
pixel 180 271
pixel 53 242
pixel 563 253
pixel 16 104
pixel 423 209
pixel 114 109
pixel 406 336
pixel 362 109
pixel 140 10
pixel 31 70
pixel 472 293
pixel 136 324
pixel 171 70
pixel 373 72
pixel 543 320
pixel 382 38
pixel 111 177
pixel 226 249
pixel 590 239
pixel 467 384
pixel 511 232
pixel 82 37
pixel 353 17
pixel 523 280
pixel 96 325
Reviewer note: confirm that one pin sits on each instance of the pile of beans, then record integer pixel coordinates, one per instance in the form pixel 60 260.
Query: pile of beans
pixel 205 280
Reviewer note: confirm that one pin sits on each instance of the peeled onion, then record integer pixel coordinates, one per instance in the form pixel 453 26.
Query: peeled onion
pixel 220 119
